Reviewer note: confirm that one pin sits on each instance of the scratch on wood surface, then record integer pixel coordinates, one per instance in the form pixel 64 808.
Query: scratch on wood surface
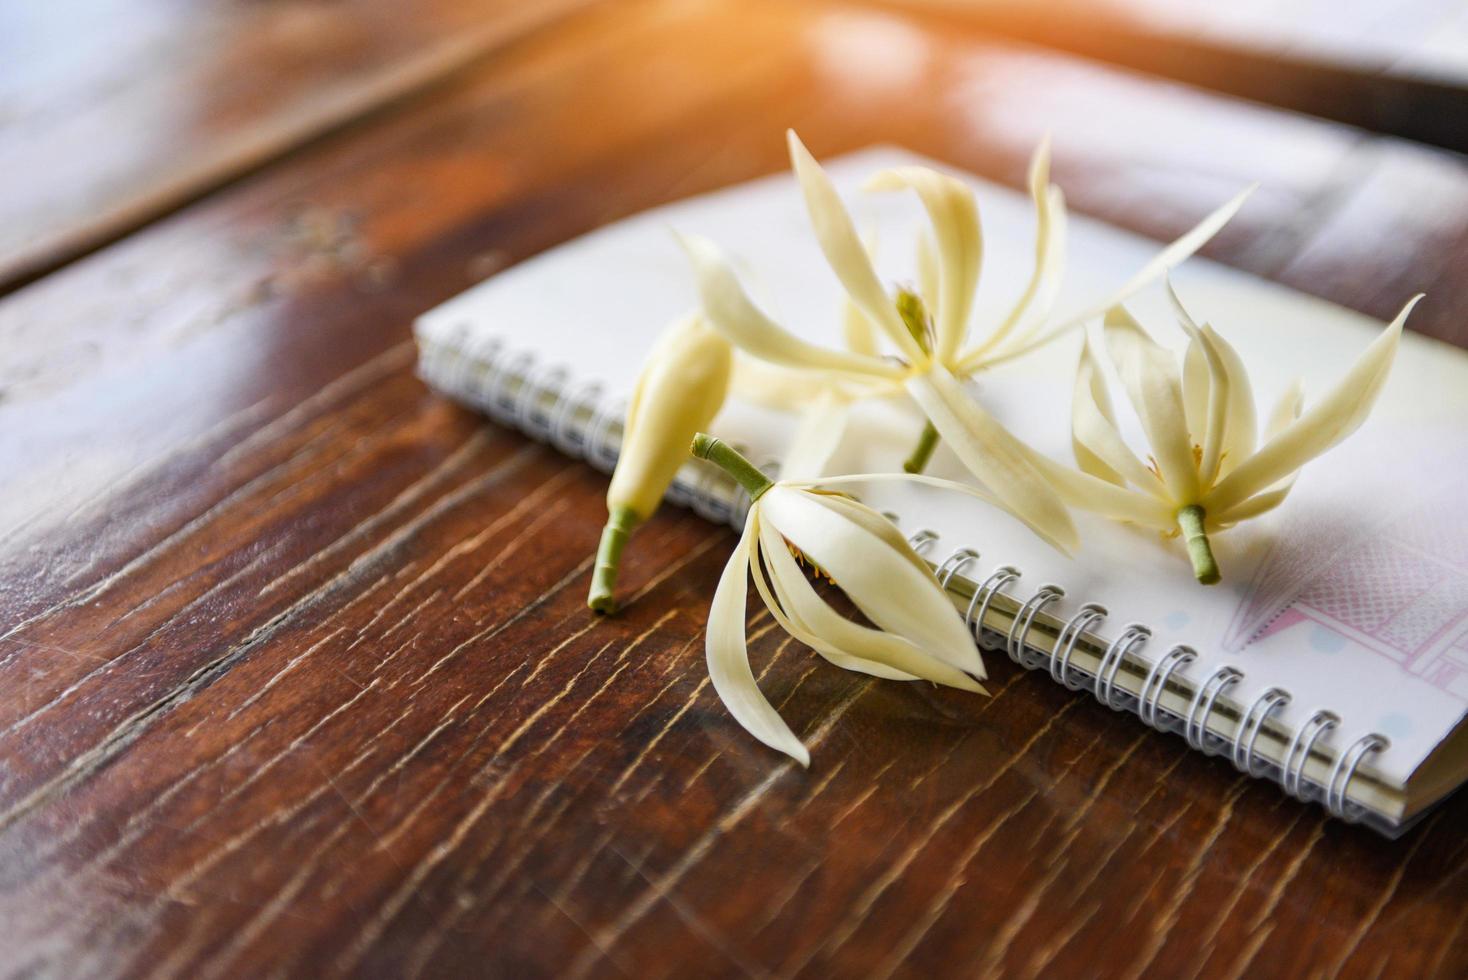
pixel 40 524
pixel 396 358
pixel 290 665
pixel 395 903
pixel 529 502
pixel 1160 930
pixel 1023 909
pixel 1277 893
pixel 782 899
pixel 955 880
pixel 414 492
pixel 549 657
pixel 873 784
pixel 101 587
pixel 179 886
pixel 495 629
pixel 412 614
pixel 545 706
pixel 558 902
pixel 1247 877
pixel 136 823
pixel 579 869
pixel 868 898
pixel 279 903
pixel 1046 954
pixel 1383 897
pixel 1253 943
pixel 688 703
pixel 402 500
pixel 1116 853
pixel 607 937
pixel 652 743
pixel 958 743
pixel 133 727
pixel 1073 826
pixel 695 922
pixel 106 664
pixel 719 536
pixel 1449 944
pixel 392 655
pixel 382 580
pixel 469 545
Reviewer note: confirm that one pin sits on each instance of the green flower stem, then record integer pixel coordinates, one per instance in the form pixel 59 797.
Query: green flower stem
pixel 723 455
pixel 923 451
pixel 620 523
pixel 1205 567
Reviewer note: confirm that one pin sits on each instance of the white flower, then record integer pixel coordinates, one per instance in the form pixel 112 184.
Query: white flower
pixel 919 633
pixel 1208 470
pixel 935 354
pixel 682 387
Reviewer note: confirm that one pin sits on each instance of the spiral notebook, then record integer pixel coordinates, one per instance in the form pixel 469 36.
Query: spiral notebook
pixel 1333 658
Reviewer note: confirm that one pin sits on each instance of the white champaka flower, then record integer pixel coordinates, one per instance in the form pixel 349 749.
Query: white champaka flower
pixel 1209 470
pixel 927 331
pixel 680 390
pixel 918 633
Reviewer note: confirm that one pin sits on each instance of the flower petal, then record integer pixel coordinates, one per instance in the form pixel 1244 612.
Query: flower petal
pixel 1238 424
pixel 730 310
pixel 1153 384
pixel 1197 382
pixel 839 241
pixel 1286 410
pixel 870 520
pixel 978 493
pixel 1211 434
pixel 1098 446
pixel 1330 420
pixel 1240 430
pixel 993 455
pixel 1260 503
pixel 836 637
pixel 816 437
pixel 728 655
pixel 800 632
pixel 954 215
pixel 1090 493
pixel 785 389
pixel 1171 255
pixel 927 272
pixel 1035 302
pixel 857 330
pixel 881 579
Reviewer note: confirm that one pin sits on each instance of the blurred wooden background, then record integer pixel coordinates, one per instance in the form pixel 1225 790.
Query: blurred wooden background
pixel 297 677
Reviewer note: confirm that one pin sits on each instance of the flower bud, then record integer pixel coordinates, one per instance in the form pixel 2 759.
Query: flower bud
pixel 681 389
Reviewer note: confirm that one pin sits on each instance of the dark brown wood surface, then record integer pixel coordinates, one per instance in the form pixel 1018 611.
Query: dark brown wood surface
pixel 1391 66
pixel 113 112
pixel 297 675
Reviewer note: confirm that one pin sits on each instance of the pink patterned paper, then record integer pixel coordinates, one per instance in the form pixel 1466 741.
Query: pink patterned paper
pixel 1398 588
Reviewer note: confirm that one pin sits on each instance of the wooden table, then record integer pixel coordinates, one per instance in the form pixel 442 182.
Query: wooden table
pixel 297 675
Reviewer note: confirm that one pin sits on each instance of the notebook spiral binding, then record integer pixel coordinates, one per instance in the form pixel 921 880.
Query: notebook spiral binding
pixel 579 421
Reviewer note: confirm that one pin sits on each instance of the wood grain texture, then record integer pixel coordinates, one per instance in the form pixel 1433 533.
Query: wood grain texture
pixel 113 112
pixel 298 675
pixel 1397 68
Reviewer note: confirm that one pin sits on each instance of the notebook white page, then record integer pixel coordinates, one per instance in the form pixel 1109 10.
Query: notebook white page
pixel 1353 596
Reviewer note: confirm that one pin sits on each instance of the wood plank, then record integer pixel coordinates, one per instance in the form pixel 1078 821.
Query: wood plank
pixel 298 674
pixel 1397 68
pixel 114 113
